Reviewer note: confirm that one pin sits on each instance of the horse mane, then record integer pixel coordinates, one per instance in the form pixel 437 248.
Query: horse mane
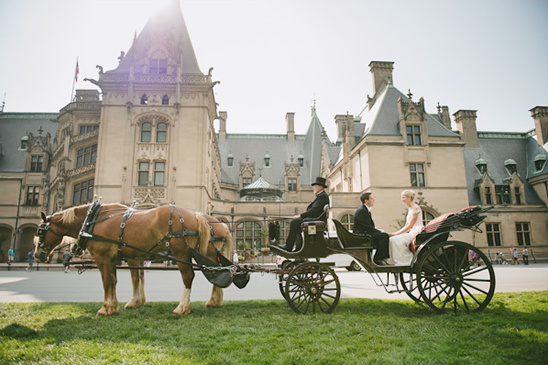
pixel 68 215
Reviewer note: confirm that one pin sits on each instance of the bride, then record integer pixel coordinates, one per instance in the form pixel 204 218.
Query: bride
pixel 400 240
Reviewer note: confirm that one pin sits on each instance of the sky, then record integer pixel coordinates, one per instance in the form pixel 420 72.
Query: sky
pixel 278 56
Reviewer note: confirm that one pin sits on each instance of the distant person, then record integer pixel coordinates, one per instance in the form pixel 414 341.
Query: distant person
pixel 235 259
pixel 515 259
pixel 512 256
pixel 502 259
pixel 30 260
pixel 10 255
pixel 498 258
pixel 66 259
pixel 525 255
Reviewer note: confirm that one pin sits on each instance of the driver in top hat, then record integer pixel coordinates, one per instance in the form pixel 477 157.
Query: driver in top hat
pixel 314 211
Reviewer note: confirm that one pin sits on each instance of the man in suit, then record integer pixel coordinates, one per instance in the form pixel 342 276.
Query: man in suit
pixel 313 211
pixel 363 224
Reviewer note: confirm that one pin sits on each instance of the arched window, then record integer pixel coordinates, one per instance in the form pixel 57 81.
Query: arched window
pixel 165 99
pixel 146 129
pixel 426 216
pixel 347 221
pixel 144 99
pixel 248 236
pixel 161 132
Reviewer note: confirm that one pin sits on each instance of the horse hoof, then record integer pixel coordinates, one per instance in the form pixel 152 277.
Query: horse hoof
pixel 213 305
pixel 178 311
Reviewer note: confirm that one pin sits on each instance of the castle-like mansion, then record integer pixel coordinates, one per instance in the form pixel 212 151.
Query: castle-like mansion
pixel 153 135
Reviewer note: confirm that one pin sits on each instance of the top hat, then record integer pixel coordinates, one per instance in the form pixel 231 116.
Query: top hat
pixel 320 181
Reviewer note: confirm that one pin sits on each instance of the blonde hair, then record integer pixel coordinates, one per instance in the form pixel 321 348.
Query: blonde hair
pixel 408 193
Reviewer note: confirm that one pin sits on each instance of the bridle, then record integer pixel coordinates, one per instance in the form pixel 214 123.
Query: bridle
pixel 43 229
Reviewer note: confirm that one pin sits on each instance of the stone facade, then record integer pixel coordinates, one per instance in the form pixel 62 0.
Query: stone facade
pixel 149 137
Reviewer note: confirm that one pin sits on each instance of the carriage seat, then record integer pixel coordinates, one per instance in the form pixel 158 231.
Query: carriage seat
pixel 349 240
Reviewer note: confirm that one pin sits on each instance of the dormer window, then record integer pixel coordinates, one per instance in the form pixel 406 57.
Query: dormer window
pixel 24 143
pixel 511 166
pixel 413 135
pixel 144 99
pixel 230 160
pixel 267 160
pixel 301 161
pixel 481 165
pixel 158 66
pixel 540 161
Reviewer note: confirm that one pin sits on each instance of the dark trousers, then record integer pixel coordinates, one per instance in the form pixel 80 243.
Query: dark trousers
pixel 380 240
pixel 526 260
pixel 294 235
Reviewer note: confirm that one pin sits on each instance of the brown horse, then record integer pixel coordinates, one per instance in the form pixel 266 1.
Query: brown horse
pixel 145 230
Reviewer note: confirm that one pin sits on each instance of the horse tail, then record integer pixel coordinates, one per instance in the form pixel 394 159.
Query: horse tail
pixel 204 233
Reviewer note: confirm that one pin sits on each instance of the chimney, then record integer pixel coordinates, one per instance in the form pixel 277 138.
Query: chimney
pixel 540 116
pixel 382 75
pixel 223 116
pixel 466 125
pixel 290 123
pixel 340 121
pixel 445 117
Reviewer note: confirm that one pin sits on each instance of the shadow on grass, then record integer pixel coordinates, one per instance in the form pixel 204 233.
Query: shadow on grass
pixel 267 331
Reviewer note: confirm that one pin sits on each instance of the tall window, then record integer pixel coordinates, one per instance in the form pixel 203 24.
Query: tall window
pixel 267 160
pixel 36 163
pixel 161 132
pixel 517 193
pixel 502 193
pixel 83 192
pixel 86 156
pixel 88 128
pixel 165 100
pixel 413 135
pixel 347 221
pixel 158 66
pixel 493 233
pixel 523 233
pixel 159 173
pixel 146 130
pixel 488 198
pixel 426 216
pixel 248 236
pixel 291 184
pixel 33 193
pixel 143 173
pixel 230 160
pixel 417 174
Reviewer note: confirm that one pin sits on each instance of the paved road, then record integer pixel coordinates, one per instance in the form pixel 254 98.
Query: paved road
pixel 160 286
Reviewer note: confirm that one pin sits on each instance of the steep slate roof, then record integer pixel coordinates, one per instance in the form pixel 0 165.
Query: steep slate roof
pixel 167 28
pixel 495 148
pixel 383 118
pixel 280 150
pixel 14 126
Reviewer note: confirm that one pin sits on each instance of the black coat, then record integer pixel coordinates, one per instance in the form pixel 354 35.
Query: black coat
pixel 363 223
pixel 315 209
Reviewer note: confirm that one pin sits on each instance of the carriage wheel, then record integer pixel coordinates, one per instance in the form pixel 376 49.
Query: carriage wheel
pixel 312 287
pixel 408 281
pixel 282 278
pixel 455 276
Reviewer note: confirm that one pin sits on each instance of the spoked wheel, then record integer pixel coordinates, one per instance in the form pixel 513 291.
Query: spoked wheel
pixel 282 278
pixel 312 287
pixel 455 276
pixel 408 282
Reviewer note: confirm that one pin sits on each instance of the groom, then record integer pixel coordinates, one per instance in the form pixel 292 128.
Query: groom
pixel 363 224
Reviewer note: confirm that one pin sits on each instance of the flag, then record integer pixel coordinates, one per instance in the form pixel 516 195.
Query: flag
pixel 76 72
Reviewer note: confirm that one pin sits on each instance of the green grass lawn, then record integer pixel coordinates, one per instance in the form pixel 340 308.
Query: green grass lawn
pixel 512 330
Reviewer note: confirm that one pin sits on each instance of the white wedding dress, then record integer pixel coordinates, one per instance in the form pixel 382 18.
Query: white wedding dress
pixel 399 245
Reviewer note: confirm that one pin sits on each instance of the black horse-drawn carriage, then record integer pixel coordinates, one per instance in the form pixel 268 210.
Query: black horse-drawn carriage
pixel 447 275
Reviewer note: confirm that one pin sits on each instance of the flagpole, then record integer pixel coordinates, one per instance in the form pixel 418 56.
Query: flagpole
pixel 74 80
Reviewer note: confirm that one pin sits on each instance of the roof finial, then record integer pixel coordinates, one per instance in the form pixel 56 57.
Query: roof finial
pixel 409 94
